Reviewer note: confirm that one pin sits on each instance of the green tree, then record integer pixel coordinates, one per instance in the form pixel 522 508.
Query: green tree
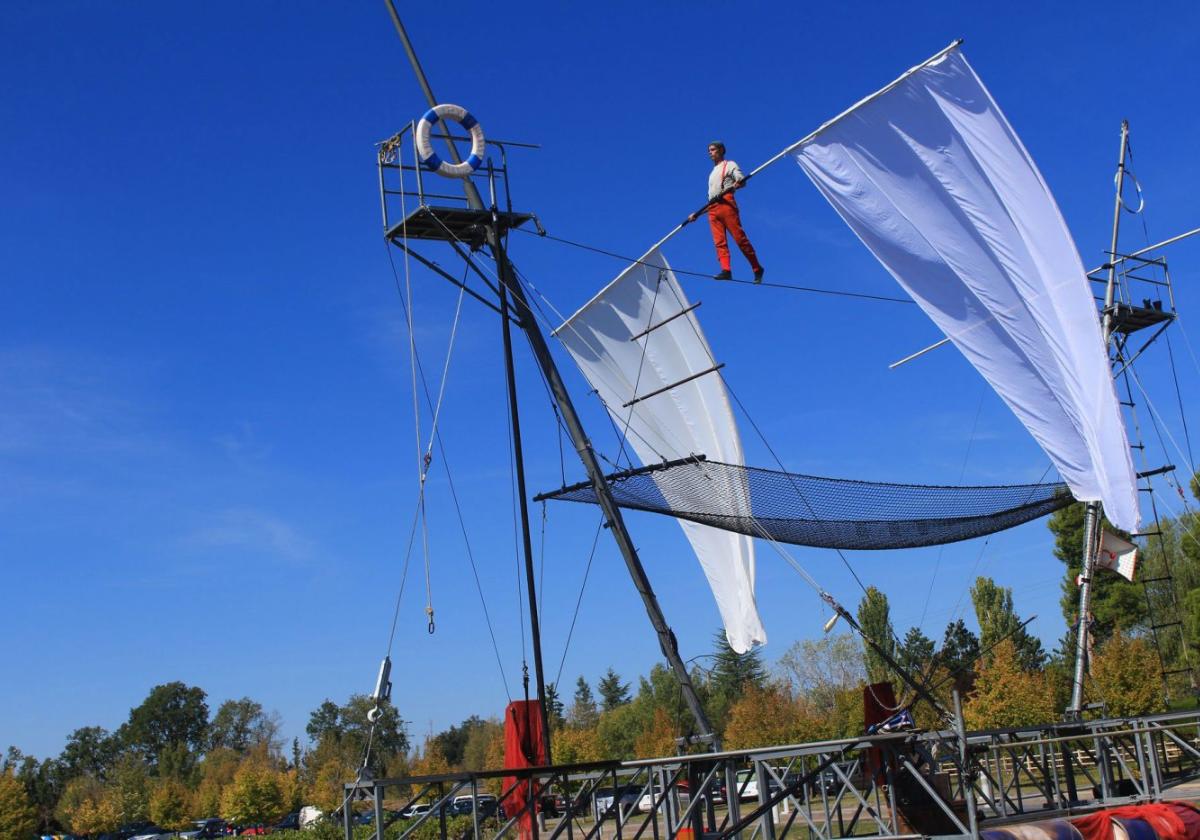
pixel 959 653
pixel 819 669
pixel 325 722
pixel 732 675
pixel 583 712
pixel 613 692
pixel 89 751
pixel 874 617
pixel 453 741
pixel 18 817
pixel 916 651
pixel 997 620
pixel 243 724
pixel 172 713
pixel 554 706
pixel 1115 601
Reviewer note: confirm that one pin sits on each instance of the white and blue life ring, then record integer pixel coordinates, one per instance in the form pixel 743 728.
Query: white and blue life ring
pixel 430 160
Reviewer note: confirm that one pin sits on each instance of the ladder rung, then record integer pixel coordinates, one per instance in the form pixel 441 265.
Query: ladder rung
pixel 1144 581
pixel 1177 671
pixel 1168 624
pixel 1149 534
pixel 1128 404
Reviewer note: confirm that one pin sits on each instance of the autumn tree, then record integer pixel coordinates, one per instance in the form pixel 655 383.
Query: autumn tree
pixel 657 739
pixel 18 818
pixel 255 796
pixel 874 617
pixel 1125 675
pixel 731 676
pixel 130 788
pixel 169 805
pixel 770 715
pixel 1007 695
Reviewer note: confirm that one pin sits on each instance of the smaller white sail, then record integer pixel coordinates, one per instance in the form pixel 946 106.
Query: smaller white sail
pixel 934 180
pixel 637 342
pixel 1117 555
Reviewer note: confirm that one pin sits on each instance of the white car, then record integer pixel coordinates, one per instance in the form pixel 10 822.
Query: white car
pixel 747 784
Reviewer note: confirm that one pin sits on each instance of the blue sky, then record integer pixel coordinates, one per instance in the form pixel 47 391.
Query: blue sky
pixel 206 434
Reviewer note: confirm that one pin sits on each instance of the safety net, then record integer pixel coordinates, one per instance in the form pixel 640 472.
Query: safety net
pixel 823 512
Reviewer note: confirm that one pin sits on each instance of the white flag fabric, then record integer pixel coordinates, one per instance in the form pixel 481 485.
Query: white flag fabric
pixel 934 181
pixel 1117 555
pixel 692 418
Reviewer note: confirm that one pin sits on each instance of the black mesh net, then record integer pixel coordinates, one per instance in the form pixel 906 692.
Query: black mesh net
pixel 823 512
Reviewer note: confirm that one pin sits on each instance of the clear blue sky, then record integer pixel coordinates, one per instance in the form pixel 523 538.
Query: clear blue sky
pixel 206 468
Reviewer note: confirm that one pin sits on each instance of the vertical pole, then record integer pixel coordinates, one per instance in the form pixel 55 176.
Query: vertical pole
pixel 535 631
pixel 346 823
pixel 1092 519
pixel 378 811
pixel 967 777
pixel 579 438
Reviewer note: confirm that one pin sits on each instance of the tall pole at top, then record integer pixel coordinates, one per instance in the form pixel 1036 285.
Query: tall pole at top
pixel 1093 514
pixel 583 446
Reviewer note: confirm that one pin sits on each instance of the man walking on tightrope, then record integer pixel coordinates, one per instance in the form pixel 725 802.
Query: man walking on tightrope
pixel 723 212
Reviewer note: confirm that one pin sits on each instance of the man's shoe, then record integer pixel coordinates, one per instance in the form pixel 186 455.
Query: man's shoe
pixel 758 273
pixel 724 275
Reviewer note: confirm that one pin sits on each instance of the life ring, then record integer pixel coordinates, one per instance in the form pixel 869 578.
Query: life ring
pixel 429 158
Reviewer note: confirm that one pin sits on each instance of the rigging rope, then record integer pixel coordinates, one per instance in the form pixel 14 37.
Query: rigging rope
pixel 709 276
pixel 457 507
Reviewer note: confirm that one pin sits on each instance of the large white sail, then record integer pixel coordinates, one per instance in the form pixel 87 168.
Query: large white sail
pixel 934 180
pixel 629 346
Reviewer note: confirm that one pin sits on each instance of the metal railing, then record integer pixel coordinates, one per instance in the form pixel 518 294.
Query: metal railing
pixel 883 786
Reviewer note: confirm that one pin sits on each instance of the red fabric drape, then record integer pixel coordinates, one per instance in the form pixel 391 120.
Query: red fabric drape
pixel 523 747
pixel 1170 820
pixel 879 704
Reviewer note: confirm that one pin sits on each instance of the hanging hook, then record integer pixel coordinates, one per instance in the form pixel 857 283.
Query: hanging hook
pixel 432 627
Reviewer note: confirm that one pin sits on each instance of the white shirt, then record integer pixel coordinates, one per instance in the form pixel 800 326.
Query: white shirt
pixel 723 176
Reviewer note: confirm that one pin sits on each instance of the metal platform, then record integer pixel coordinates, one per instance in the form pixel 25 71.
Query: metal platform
pixel 1128 319
pixel 449 224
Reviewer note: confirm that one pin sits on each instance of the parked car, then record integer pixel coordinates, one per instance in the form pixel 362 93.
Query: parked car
pixel 487 804
pixel 416 811
pixel 626 798
pixel 289 823
pixel 151 832
pixel 208 829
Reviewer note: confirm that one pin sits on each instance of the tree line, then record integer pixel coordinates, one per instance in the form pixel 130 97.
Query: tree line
pixel 172 762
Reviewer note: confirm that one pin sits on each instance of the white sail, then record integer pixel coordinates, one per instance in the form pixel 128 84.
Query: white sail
pixel 609 341
pixel 933 179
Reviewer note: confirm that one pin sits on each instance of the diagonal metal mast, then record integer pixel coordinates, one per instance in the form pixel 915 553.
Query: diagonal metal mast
pixel 583 447
pixel 1092 515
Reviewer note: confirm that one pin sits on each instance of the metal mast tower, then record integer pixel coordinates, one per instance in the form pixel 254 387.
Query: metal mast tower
pixel 479 225
pixel 1134 287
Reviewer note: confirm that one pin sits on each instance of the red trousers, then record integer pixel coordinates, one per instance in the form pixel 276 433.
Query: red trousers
pixel 723 216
